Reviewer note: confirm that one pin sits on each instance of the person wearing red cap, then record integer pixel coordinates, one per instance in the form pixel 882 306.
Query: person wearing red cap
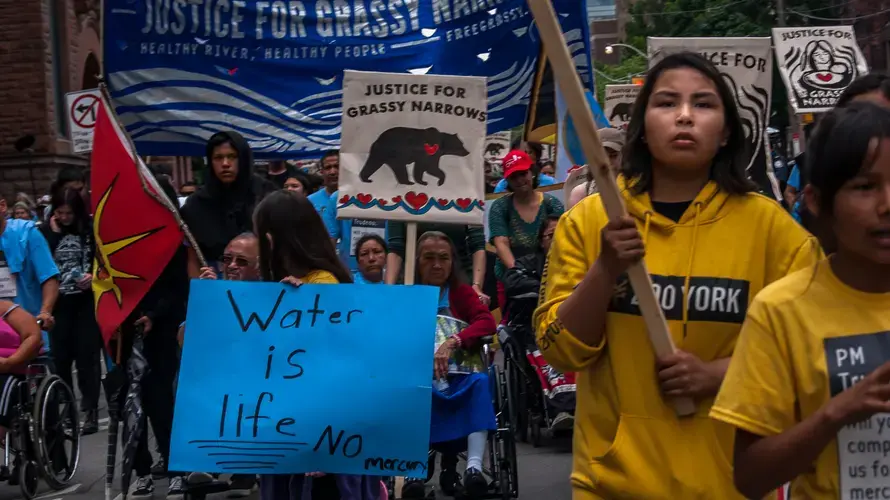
pixel 515 219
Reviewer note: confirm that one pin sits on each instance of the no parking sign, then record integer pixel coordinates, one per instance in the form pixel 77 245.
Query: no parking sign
pixel 81 107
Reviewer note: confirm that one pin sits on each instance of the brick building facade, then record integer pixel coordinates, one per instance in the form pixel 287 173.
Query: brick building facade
pixel 47 49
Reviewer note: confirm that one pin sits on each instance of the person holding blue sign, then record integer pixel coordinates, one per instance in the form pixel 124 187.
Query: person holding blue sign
pixel 295 249
pixel 808 386
pixel 462 407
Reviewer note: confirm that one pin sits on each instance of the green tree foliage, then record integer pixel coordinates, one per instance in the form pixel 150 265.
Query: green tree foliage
pixel 712 18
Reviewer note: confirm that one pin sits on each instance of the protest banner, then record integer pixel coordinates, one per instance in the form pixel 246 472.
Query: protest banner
pixel 412 148
pixel 817 64
pixel 283 380
pixel 619 102
pixel 863 448
pixel 746 66
pixel 180 71
pixel 496 148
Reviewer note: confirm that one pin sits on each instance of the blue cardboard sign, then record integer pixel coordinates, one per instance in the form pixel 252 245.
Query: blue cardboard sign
pixel 180 70
pixel 327 378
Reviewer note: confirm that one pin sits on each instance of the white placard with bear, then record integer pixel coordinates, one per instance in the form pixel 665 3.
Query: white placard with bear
pixel 412 147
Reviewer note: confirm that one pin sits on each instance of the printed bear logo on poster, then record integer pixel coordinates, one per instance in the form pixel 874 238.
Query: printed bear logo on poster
pixel 399 147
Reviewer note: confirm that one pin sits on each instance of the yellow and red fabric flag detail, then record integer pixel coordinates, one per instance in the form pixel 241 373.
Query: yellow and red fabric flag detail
pixel 135 234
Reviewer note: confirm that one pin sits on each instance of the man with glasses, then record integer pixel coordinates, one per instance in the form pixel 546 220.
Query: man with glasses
pixel 239 262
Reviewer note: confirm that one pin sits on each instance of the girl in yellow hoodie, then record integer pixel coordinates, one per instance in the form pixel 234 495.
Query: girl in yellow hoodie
pixel 808 389
pixel 710 243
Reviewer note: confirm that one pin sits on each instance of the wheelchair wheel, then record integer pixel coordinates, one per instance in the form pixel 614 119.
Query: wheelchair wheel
pixel 516 397
pixel 503 447
pixel 29 479
pixel 57 439
pixel 536 425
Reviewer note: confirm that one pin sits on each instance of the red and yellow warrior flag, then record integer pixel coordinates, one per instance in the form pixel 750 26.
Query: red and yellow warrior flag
pixel 136 232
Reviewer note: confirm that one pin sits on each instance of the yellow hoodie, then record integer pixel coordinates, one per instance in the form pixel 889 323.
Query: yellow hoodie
pixel 628 442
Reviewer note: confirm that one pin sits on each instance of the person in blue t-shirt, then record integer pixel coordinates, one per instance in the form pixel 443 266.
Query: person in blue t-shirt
pixel 370 251
pixel 28 274
pixel 344 232
pixel 324 199
pixel 534 151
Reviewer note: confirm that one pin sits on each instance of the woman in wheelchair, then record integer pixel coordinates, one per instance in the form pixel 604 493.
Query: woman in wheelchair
pixel 462 409
pixel 521 285
pixel 20 343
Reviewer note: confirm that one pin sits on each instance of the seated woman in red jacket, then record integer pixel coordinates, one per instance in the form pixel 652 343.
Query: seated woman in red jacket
pixel 462 404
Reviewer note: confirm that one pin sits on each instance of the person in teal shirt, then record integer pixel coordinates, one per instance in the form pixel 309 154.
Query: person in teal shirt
pixel 534 151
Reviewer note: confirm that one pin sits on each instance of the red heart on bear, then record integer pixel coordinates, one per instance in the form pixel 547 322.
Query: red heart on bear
pixel 364 199
pixel 431 149
pixel 396 199
pixel 463 202
pixel 481 203
pixel 416 200
pixel 344 199
pixel 381 202
pixel 824 77
pixel 443 201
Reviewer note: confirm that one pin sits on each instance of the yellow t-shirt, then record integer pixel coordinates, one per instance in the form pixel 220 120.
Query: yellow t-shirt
pixel 806 338
pixel 319 277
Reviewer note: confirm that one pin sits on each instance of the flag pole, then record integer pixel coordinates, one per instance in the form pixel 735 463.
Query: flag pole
pixel 566 78
pixel 156 190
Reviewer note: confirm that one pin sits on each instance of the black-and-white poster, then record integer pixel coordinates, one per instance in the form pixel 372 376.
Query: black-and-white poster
pixel 863 448
pixel 746 66
pixel 412 147
pixel 619 102
pixel 497 146
pixel 817 64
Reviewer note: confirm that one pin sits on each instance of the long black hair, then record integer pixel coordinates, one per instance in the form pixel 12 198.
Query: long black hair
pixel 74 200
pixel 300 243
pixel 729 165
pixel 842 147
pixel 457 276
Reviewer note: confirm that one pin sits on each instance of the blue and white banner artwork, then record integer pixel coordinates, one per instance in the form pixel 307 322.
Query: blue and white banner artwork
pixel 181 70
pixel 282 380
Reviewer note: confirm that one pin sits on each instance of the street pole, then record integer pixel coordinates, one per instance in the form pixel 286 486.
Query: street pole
pixel 793 122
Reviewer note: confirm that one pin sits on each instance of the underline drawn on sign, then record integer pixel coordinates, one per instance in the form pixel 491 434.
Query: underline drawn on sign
pixel 83 110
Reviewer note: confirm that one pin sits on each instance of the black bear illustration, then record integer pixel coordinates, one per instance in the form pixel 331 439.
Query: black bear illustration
pixel 494 150
pixel 400 146
pixel 622 111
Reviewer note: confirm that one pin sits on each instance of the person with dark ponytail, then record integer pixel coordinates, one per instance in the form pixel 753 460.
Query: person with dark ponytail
pixel 295 248
pixel 809 384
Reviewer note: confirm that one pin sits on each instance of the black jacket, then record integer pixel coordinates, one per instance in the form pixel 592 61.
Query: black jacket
pixel 217 213
pixel 166 300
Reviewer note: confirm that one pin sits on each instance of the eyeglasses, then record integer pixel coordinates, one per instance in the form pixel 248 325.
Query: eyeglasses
pixel 237 259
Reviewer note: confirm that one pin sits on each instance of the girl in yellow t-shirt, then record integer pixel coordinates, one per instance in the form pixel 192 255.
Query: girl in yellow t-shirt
pixel 808 387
